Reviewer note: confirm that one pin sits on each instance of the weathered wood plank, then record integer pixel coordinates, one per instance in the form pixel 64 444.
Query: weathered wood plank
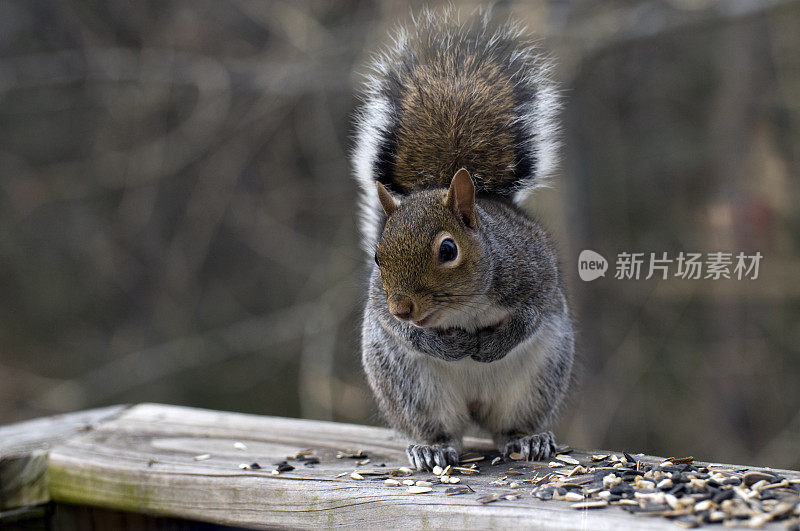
pixel 144 461
pixel 23 453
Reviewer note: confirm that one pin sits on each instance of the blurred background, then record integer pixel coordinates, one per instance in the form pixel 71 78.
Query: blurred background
pixel 177 217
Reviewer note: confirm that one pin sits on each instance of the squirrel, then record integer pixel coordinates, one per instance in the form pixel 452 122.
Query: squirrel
pixel 466 321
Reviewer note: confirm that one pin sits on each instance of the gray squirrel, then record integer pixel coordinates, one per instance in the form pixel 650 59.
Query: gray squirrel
pixel 466 321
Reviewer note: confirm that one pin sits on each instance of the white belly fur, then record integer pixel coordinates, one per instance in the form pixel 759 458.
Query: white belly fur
pixel 499 386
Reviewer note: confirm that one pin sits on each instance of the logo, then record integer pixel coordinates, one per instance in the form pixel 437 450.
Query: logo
pixel 591 265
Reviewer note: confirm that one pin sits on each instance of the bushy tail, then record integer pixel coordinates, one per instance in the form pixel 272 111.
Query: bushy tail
pixel 451 94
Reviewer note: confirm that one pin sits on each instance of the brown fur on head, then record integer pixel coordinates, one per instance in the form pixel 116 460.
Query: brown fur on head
pixel 422 283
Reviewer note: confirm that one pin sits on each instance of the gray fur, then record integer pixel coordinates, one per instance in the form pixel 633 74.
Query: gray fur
pixel 425 379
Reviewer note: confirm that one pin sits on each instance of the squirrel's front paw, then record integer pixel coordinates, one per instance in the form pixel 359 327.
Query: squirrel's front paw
pixel 533 447
pixel 425 457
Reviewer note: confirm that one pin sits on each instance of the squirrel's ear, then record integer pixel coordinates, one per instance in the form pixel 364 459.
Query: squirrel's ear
pixel 388 202
pixel 461 197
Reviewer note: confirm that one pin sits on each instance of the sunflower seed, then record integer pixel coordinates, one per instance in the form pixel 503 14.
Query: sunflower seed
pixel 351 455
pixel 240 445
pixel 437 470
pixel 665 484
pixel 418 490
pixel 488 498
pixel 515 456
pixel 454 491
pixel 751 478
pixel 356 475
pixel 567 459
pixel 202 457
pixel 389 482
pixel 595 504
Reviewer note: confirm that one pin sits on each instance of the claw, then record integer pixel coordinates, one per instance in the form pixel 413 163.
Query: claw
pixel 535 447
pixel 425 457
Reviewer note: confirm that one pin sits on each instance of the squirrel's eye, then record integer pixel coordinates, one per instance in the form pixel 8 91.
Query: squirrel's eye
pixel 448 251
pixel 376 260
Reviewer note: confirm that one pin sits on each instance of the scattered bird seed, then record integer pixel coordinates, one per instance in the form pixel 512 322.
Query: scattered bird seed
pixel 472 459
pixel 409 482
pixel 454 491
pixel 391 482
pixel 362 462
pixel 516 456
pixel 202 457
pixel 677 488
pixel 356 475
pixel 437 470
pixel 401 472
pixel 497 460
pixel 424 484
pixel 554 464
pixel 466 471
pixel 240 445
pixel 454 479
pixel 414 489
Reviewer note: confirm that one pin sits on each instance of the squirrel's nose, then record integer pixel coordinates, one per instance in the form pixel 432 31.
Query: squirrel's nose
pixel 401 306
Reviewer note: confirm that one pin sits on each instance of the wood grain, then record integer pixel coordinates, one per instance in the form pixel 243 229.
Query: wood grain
pixel 142 460
pixel 23 453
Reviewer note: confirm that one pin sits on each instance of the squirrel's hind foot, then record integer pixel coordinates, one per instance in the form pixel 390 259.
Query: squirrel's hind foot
pixel 536 447
pixel 425 457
